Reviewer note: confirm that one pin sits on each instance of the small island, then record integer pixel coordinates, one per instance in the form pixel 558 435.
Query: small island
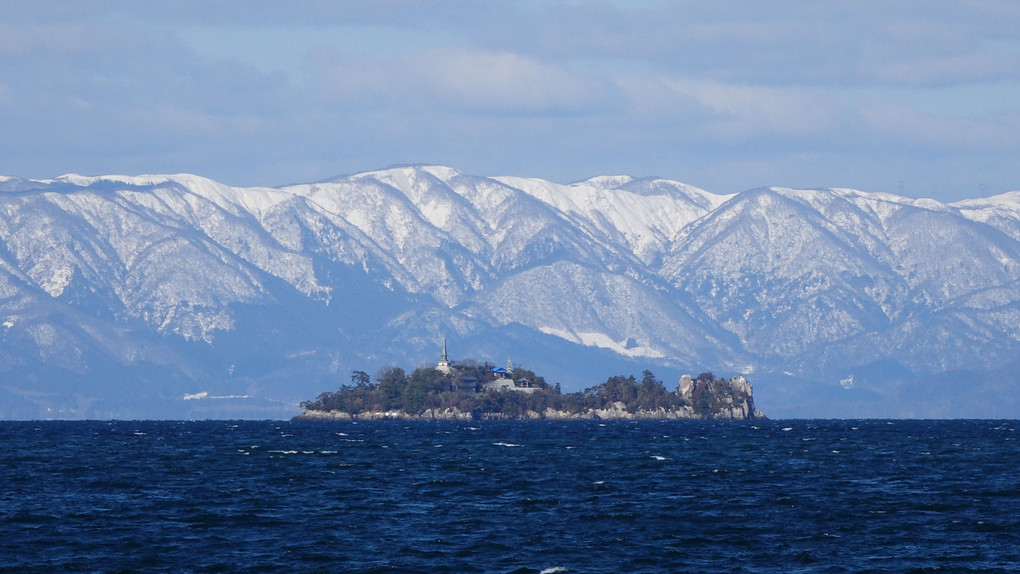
pixel 469 390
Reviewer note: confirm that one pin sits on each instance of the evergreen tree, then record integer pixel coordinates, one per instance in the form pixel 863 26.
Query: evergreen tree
pixel 360 379
pixel 392 382
pixel 650 392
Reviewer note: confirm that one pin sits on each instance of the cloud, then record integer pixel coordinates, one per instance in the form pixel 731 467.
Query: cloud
pixel 885 42
pixel 235 12
pixel 901 126
pixel 739 111
pixel 468 81
pixel 813 118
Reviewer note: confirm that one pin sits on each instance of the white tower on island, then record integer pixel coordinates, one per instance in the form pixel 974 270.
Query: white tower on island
pixel 444 365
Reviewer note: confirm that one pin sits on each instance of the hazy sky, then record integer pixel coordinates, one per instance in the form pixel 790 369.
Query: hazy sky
pixel 914 97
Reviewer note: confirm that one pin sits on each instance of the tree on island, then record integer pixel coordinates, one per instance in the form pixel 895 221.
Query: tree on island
pixel 392 381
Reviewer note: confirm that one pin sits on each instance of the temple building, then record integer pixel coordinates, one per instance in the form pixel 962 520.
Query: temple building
pixel 502 377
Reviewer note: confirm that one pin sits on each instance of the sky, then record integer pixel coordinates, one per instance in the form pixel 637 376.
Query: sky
pixel 918 98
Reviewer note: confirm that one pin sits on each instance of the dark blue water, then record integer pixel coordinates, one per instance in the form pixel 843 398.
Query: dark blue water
pixel 769 496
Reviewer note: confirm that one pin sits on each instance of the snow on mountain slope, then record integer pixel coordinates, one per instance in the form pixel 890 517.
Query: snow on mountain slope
pixel 167 255
pixel 253 200
pixel 594 307
pixel 457 233
pixel 646 214
pixel 248 290
pixel 935 251
pixel 1001 212
pixel 437 245
pixel 848 275
pixel 775 273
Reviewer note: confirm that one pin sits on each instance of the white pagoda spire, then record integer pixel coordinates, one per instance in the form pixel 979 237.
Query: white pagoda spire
pixel 444 365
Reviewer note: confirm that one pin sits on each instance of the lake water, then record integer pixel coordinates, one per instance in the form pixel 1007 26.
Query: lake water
pixel 541 496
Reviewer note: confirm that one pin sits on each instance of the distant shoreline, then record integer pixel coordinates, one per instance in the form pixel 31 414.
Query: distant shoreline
pixel 617 413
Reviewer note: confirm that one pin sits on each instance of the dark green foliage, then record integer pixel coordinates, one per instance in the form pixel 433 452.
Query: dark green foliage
pixel 413 397
pixel 391 387
pixel 617 388
pixel 360 379
pixel 429 379
pixel 702 399
pixel 526 375
pixel 648 395
pixel 650 392
pixel 506 404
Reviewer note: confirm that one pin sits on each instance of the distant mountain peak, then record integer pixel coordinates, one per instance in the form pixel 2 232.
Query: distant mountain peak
pixel 608 180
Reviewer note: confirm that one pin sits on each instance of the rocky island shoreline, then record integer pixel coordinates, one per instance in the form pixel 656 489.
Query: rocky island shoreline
pixel 473 391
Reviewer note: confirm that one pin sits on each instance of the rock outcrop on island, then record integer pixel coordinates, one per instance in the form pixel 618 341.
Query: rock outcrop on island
pixel 717 399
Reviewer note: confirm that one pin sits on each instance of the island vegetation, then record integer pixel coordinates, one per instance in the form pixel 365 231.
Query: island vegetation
pixel 472 390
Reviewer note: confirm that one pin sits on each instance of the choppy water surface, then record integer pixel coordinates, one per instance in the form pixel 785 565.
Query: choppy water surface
pixel 680 496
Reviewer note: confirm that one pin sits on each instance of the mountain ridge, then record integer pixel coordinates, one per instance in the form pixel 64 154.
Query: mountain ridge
pixel 798 289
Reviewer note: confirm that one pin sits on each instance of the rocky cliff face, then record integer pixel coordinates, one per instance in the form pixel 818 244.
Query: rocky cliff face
pixel 719 399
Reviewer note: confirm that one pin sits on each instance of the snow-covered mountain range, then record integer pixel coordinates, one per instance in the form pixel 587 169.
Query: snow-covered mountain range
pixel 175 295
